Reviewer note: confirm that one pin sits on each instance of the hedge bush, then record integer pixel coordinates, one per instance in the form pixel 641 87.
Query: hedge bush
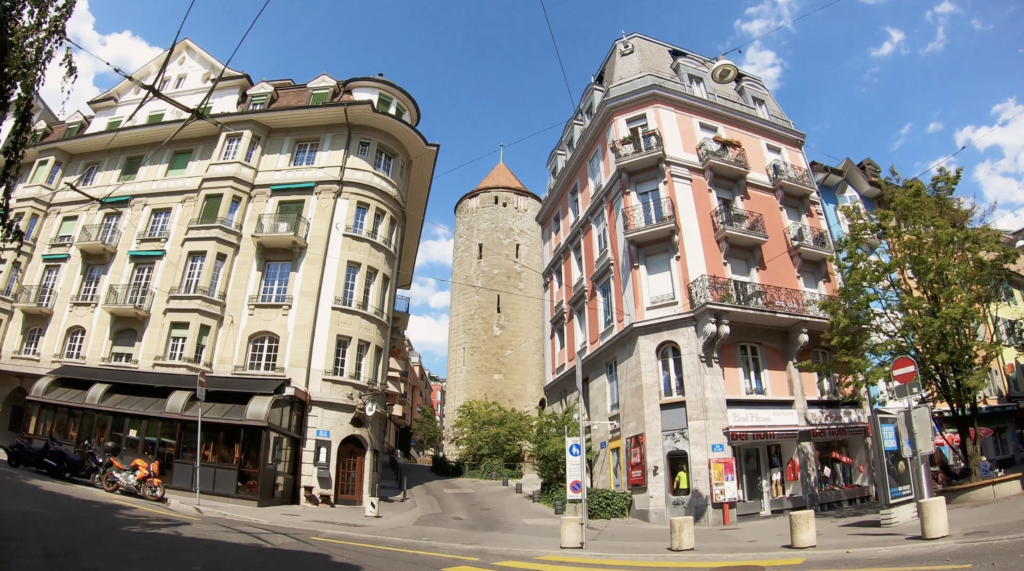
pixel 601 503
pixel 484 470
pixel 442 467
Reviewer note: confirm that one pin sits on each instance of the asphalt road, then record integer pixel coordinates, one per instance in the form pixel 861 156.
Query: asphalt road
pixel 45 524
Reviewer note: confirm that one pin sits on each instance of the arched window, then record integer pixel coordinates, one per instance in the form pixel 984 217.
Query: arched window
pixel 263 353
pixel 73 343
pixel 30 346
pixel 671 371
pixel 123 349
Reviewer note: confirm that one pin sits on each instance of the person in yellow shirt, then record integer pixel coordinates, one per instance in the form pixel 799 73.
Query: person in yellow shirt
pixel 681 483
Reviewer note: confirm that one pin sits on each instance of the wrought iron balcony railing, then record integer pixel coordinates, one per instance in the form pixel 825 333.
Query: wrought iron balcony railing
pixel 710 289
pixel 129 295
pixel 271 298
pixel 38 295
pixel 369 233
pixel 196 290
pixel 65 239
pixel 779 170
pixel 214 221
pixel 99 233
pixel 119 359
pixel 257 369
pixel 349 302
pixel 154 233
pixel 184 359
pixel 26 352
pixel 401 304
pixel 708 149
pixel 802 235
pixel 633 145
pixel 85 298
pixel 756 391
pixel 291 224
pixel 725 217
pixel 647 214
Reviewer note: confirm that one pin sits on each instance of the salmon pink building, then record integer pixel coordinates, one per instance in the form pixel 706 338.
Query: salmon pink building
pixel 685 255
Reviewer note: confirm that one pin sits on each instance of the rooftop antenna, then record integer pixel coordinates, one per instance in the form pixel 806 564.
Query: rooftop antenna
pixel 623 35
pixel 501 153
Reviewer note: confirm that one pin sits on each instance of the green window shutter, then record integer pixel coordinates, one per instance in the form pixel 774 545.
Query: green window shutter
pixel 113 124
pixel 131 168
pixel 179 163
pixel 211 207
pixel 72 131
pixel 67 226
pixel 179 330
pixel 258 100
pixel 204 334
pixel 290 208
pixel 399 111
pixel 155 118
pixel 318 97
pixel 384 103
pixel 207 110
pixel 37 176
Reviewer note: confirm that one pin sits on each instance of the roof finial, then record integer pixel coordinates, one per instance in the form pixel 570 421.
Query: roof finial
pixel 623 35
pixel 501 153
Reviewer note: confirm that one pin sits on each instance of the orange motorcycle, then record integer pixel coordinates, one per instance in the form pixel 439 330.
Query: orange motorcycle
pixel 139 477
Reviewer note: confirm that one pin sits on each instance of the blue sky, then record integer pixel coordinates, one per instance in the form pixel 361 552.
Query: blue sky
pixel 906 82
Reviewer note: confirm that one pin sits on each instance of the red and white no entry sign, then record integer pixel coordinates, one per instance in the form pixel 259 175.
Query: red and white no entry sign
pixel 904 370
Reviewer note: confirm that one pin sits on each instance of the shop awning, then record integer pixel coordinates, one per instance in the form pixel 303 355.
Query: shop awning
pixel 254 385
pixel 751 434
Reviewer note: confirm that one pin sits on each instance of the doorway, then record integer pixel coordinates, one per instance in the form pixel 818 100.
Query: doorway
pixel 12 415
pixel 752 476
pixel 351 460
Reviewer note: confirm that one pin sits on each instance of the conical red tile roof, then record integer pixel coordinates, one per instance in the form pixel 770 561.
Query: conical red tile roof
pixel 501 177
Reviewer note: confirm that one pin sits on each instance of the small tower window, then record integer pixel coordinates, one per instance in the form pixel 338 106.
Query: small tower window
pixel 517 251
pixel 499 303
pixel 495 199
pixel 479 251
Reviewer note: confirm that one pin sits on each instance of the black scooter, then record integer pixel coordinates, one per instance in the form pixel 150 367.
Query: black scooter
pixel 21 453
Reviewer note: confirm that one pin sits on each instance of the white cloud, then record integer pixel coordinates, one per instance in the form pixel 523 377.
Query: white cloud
pixel 429 333
pixel 1000 179
pixel 438 249
pixel 950 164
pixel 903 136
pixel 894 43
pixel 123 49
pixel 764 63
pixel 980 26
pixel 1008 219
pixel 425 292
pixel 934 127
pixel 938 43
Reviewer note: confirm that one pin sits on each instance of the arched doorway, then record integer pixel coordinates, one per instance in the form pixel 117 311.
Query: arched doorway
pixel 12 415
pixel 351 460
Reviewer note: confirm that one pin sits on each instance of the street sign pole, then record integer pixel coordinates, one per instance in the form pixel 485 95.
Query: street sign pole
pixel 201 396
pixel 583 448
pixel 904 371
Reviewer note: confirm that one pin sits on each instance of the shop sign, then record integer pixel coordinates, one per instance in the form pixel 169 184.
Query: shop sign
pixel 836 416
pixel 833 432
pixel 636 455
pixel 763 417
pixel 723 480
pixel 741 436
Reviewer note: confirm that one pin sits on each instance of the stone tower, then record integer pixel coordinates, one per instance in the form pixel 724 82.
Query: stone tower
pixel 496 333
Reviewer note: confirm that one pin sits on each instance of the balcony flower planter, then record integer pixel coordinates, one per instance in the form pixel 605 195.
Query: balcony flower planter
pixel 728 142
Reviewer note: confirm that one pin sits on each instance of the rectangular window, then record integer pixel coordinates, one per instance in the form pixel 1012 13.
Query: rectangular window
pixel 574 202
pixel 158 222
pixel 131 168
pixel 580 321
pixel 89 176
pixel 556 225
pixel 305 154
pixel 560 335
pixel 364 148
pixel 359 222
pixel 30 346
pixel 378 358
pixel 233 210
pixel 383 162
pixel 751 363
pixel 276 276
pixel 164 83
pixel 570 146
pixel 762 109
pixel 218 268
pixel 155 117
pixel 600 233
pixel 371 276
pixel 12 279
pixel 254 144
pixel 348 293
pixel 113 124
pixel 558 278
pixel 378 221
pixel 72 131
pixel 399 110
pixel 659 278
pixel 193 270
pixel 697 84
pixel 361 351
pixel 40 172
pixel 206 110
pixel 47 289
pixel 384 103
pixel 30 228
pixel 318 97
pixel 90 284
pixel 612 372
pixel 211 208
pixel 178 83
pixel 577 266
pixel 605 292
pixel 385 287
pixel 231 145
pixel 138 289
pixel 202 341
pixel 827 383
pixel 340 354
pixel 66 232
pixel 391 232
pixel 176 341
pixel 179 163
pixel 54 171
pixel 594 170
pixel 257 102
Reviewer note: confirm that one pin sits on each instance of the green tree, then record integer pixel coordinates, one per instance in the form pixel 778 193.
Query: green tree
pixel 32 33
pixel 547 442
pixel 918 276
pixel 425 430
pixel 488 431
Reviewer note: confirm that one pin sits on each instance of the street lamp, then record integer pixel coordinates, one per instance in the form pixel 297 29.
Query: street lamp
pixel 724 71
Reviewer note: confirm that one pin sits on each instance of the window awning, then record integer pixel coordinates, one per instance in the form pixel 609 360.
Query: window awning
pixel 115 199
pixel 293 186
pixel 254 385
pixel 55 257
pixel 147 253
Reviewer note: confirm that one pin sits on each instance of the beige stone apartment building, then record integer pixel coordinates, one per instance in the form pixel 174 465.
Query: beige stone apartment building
pixel 264 247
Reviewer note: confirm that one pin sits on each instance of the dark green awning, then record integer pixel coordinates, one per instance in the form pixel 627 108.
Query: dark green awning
pixel 55 257
pixel 115 199
pixel 147 253
pixel 293 186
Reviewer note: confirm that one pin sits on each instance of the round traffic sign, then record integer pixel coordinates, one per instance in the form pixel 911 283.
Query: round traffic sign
pixel 904 370
pixel 574 450
pixel 576 486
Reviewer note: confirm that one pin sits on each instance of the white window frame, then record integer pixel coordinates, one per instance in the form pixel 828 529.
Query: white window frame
pixel 698 86
pixel 231 145
pixel 274 288
pixel 305 153
pixel 363 150
pixel 594 170
pixel 348 292
pixel 559 331
pixel 600 232
pixel 606 295
pixel 672 365
pixel 383 162
pixel 88 177
pixel 828 385
pixel 762 108
pixel 574 202
pixel 263 353
pixel 611 373
pixel 30 344
pixel 341 346
pixel 748 373
pixel 74 343
pixel 250 153
pixel 176 344
pixel 193 272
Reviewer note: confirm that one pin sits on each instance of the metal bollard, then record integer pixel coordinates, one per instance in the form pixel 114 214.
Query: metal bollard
pixel 494 475
pixel 519 487
pixel 405 486
pixel 558 507
pixel 536 496
pixel 504 481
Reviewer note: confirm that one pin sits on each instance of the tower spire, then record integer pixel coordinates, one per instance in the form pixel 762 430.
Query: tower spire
pixel 501 153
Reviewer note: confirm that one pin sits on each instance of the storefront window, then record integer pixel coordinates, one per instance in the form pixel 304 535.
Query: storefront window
pixel 298 411
pixel 117 431
pixel 775 470
pixel 834 464
pixel 134 439
pixel 249 463
pixel 679 470
pixel 44 427
pixel 60 424
pixel 221 444
pixel 152 435
pixel 188 442
pixel 74 424
pixel 32 414
pixel 101 433
pixel 165 448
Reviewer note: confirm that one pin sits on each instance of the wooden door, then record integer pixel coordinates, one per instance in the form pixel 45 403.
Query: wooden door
pixel 349 487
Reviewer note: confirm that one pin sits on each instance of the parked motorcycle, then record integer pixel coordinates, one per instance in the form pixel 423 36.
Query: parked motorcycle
pixel 96 466
pixel 139 477
pixel 21 453
pixel 63 464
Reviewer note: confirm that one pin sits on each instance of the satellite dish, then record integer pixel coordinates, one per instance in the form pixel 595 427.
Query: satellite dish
pixel 371 407
pixel 724 71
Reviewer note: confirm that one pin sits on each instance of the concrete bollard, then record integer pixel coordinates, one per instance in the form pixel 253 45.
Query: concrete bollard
pixel 934 522
pixel 802 531
pixel 571 532
pixel 681 533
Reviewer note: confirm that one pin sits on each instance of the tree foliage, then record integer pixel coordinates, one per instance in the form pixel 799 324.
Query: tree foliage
pixel 33 32
pixel 547 442
pixel 918 276
pixel 425 430
pixel 487 431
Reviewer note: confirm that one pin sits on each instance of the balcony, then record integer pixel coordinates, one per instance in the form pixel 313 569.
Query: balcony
pixel 769 305
pixel 634 153
pixel 649 221
pixel 723 159
pixel 98 240
pixel 400 316
pixel 119 360
pixel 215 222
pixel 153 234
pixel 196 291
pixel 281 231
pixel 791 179
pixel 268 370
pixel 738 227
pixel 128 300
pixel 369 234
pixel 271 299
pixel 182 361
pixel 35 300
pixel 348 302
pixel 812 244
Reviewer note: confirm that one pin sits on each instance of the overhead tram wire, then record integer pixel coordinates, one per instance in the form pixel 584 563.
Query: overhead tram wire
pixel 572 101
pixel 781 26
pixel 973 141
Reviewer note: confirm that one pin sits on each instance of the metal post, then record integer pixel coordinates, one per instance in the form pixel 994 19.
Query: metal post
pixel 583 466
pixel 405 486
pixel 917 471
pixel 199 447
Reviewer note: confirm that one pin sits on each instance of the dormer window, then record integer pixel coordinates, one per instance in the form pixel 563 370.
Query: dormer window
pixel 762 109
pixel 319 96
pixel 570 145
pixel 72 131
pixel 178 83
pixel 384 103
pixel 113 123
pixel 258 102
pixel 697 85
pixel 399 110
pixel 165 83
pixel 155 117
pixel 588 113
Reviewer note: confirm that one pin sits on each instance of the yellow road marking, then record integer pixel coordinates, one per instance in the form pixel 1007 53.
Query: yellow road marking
pixel 161 512
pixel 464 568
pixel 914 568
pixel 431 553
pixel 673 564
